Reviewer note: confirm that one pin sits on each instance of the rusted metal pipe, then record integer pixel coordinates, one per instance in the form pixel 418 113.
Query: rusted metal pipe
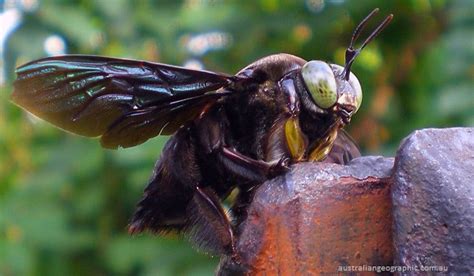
pixel 318 218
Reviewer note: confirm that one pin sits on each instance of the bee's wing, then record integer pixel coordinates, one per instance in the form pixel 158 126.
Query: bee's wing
pixel 344 149
pixel 126 102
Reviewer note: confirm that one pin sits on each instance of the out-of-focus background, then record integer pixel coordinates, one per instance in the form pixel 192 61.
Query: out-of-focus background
pixel 65 201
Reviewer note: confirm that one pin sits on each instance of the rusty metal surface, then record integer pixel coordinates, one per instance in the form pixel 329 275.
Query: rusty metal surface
pixel 433 197
pixel 316 218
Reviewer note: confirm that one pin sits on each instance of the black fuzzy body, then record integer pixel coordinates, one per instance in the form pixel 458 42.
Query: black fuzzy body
pixel 250 122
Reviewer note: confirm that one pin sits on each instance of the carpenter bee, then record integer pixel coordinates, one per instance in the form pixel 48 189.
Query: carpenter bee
pixel 228 131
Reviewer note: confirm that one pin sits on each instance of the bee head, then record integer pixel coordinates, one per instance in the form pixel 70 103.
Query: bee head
pixel 333 88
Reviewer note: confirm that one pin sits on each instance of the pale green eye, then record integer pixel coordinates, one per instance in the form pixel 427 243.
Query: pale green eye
pixel 320 81
pixel 354 82
pixel 356 94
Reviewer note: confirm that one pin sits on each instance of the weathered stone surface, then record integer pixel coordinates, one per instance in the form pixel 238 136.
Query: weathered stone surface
pixel 316 218
pixel 433 200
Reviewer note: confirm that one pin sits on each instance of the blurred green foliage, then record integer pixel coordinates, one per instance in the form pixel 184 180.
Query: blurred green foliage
pixel 65 202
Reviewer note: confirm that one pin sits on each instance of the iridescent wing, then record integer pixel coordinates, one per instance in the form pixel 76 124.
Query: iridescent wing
pixel 126 102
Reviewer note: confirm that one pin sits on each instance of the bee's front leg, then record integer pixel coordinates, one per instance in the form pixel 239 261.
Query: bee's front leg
pixel 212 132
pixel 250 168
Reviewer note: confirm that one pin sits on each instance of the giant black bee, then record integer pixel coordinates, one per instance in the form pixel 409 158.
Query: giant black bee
pixel 228 131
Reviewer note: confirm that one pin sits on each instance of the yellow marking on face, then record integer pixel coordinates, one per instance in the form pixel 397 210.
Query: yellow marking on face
pixel 295 139
pixel 324 147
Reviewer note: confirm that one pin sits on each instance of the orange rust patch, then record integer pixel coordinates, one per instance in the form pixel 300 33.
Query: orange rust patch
pixel 346 223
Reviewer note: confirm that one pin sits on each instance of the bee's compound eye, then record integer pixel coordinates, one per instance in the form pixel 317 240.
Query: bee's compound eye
pixel 354 82
pixel 321 83
pixel 355 94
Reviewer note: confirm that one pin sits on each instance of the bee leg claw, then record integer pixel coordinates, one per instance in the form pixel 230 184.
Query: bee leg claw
pixel 281 167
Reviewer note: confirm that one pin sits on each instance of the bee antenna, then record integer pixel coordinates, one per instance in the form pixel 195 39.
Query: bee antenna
pixel 352 53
